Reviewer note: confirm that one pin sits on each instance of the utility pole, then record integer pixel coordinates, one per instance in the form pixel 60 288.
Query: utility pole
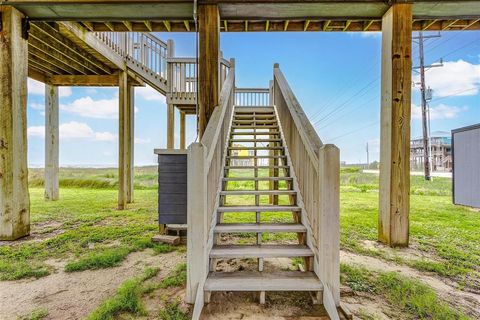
pixel 426 137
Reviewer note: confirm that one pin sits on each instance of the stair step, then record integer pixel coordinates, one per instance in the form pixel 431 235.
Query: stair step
pixel 257 192
pixel 256 167
pixel 253 127
pixel 260 251
pixel 255 148
pixel 255 116
pixel 270 208
pixel 266 133
pixel 257 121
pixel 263 281
pixel 258 157
pixel 255 140
pixel 258 179
pixel 262 227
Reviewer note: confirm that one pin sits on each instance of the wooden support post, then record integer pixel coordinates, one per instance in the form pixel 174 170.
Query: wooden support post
pixel 208 63
pixel 393 222
pixel 51 142
pixel 122 139
pixel 171 126
pixel 329 225
pixel 197 222
pixel 182 130
pixel 14 198
pixel 130 141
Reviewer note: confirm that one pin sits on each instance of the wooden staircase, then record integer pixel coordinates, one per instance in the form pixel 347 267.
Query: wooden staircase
pixel 257 156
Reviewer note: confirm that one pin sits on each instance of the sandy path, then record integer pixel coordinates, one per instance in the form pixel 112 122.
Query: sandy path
pixel 464 300
pixel 74 295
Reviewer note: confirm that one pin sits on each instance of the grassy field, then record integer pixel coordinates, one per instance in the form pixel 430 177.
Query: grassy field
pixel 85 229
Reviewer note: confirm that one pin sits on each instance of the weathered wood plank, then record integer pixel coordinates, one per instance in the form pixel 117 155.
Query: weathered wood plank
pixel 208 63
pixel 395 126
pixel 130 140
pixel 14 199
pixel 182 130
pixel 122 139
pixel 171 126
pixel 51 142
pixel 84 80
pixel 260 251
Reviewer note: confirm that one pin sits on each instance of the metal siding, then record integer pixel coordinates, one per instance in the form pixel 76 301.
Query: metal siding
pixel 172 188
pixel 466 157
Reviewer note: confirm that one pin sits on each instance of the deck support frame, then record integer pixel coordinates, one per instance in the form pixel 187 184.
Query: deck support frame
pixel 394 196
pixel 14 197
pixel 51 142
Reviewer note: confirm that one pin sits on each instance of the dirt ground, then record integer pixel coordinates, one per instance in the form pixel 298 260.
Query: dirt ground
pixel 74 295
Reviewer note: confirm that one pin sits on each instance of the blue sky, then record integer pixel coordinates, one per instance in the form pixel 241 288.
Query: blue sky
pixel 335 76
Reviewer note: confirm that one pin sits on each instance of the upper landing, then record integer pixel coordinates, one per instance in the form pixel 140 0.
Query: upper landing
pixel 252 15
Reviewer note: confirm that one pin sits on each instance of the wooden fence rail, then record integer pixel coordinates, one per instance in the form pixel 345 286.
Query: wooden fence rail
pixel 252 97
pixel 317 168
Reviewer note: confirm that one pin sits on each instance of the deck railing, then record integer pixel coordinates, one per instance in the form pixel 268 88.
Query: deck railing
pixel 317 168
pixel 205 172
pixel 252 97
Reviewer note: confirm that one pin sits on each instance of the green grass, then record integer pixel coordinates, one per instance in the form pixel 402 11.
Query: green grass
pixel 414 298
pixel 36 314
pixel 172 312
pixel 84 228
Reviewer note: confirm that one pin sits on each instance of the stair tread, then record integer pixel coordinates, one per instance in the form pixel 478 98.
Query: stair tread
pixel 255 140
pixel 255 148
pixel 258 167
pixel 260 251
pixel 255 133
pixel 253 156
pixel 248 192
pixel 263 281
pixel 257 178
pixel 256 227
pixel 270 208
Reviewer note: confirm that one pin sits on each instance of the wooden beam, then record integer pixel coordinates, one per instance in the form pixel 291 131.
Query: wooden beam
pixel 88 25
pixel 110 80
pixel 148 24
pixel 128 25
pixel 208 66
pixel 95 43
pixel 130 141
pixel 225 25
pixel 449 24
pixel 110 26
pixel 36 75
pixel 395 126
pixel 187 24
pixel 347 24
pixel 14 199
pixel 367 25
pixel 285 26
pixel 167 25
pixel 51 143
pixel 171 126
pixel 325 25
pixel 470 24
pixel 246 25
pixel 182 130
pixel 122 139
pixel 305 26
pixel 428 24
pixel 267 26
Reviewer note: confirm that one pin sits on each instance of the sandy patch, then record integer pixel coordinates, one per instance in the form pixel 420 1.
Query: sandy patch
pixel 463 300
pixel 74 295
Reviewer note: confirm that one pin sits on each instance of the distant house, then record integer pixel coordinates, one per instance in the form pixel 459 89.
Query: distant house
pixel 440 152
pixel 466 166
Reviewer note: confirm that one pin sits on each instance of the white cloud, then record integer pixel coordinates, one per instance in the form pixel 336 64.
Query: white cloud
pixel 142 141
pixel 74 130
pixel 150 94
pixel 371 34
pixel 38 88
pixel 88 107
pixel 454 78
pixel 37 106
pixel 105 136
pixel 442 111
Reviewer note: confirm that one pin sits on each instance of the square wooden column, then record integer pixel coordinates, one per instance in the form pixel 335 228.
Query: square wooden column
pixel 51 143
pixel 14 198
pixel 182 130
pixel 393 223
pixel 171 126
pixel 130 141
pixel 208 63
pixel 122 139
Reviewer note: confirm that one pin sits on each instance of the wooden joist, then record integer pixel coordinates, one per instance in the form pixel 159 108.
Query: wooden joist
pixel 84 80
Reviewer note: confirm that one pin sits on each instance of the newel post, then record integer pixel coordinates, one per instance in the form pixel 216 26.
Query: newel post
pixel 197 222
pixel 329 223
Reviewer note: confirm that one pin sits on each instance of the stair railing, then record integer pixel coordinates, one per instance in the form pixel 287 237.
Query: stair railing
pixel 204 176
pixel 317 169
pixel 252 97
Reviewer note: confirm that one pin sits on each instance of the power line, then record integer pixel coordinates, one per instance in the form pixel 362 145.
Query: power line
pixel 457 93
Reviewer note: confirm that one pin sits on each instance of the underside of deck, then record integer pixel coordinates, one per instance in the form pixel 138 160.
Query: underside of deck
pixel 243 16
